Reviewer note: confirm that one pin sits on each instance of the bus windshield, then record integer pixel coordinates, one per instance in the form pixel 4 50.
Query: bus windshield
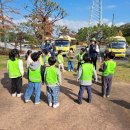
pixel 62 43
pixel 118 45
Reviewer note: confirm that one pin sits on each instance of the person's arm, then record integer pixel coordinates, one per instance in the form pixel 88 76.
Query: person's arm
pixel 95 75
pixel 79 73
pixel 21 67
pixel 28 74
pixel 97 49
pixel 45 76
pixel 7 66
pixel 59 76
pixel 58 59
pixel 103 67
pixel 98 52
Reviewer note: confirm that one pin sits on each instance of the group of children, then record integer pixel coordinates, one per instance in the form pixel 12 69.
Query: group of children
pixel 40 72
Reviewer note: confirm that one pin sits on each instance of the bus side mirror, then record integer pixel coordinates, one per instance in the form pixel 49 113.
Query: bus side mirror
pixel 127 46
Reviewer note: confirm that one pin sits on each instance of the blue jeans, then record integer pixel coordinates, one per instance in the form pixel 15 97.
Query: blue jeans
pixel 36 87
pixel 70 65
pixel 53 94
pixel 81 92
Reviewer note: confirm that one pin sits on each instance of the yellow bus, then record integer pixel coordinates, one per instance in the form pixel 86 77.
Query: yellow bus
pixel 64 43
pixel 117 45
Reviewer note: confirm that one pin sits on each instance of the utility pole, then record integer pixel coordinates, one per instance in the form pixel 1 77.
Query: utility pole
pixel 95 15
pixel 113 18
pixel 112 26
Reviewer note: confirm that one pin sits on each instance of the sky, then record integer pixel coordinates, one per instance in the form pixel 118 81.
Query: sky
pixel 79 12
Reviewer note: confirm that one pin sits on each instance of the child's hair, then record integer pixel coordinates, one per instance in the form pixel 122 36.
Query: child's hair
pixel 16 51
pixel 86 58
pixel 60 51
pixel 28 53
pixel 71 49
pixel 13 54
pixel 39 53
pixel 83 49
pixel 46 52
pixel 35 56
pixel 52 61
pixel 110 55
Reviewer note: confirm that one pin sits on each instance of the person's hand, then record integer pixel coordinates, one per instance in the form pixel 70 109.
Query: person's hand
pixel 77 80
pixel 100 59
pixel 96 81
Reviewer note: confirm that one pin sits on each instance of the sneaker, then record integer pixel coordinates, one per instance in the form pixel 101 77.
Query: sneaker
pixel 108 96
pixel 77 101
pixel 89 100
pixel 26 101
pixel 56 105
pixel 36 103
pixel 104 96
pixel 50 104
pixel 19 95
pixel 13 94
pixel 68 70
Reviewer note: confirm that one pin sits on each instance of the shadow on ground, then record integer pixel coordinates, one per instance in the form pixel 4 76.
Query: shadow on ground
pixel 6 82
pixel 68 92
pixel 121 103
pixel 71 81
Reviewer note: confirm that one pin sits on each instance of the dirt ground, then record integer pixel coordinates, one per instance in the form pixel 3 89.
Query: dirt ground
pixel 102 114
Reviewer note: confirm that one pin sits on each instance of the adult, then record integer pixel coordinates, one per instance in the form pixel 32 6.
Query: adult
pixel 93 50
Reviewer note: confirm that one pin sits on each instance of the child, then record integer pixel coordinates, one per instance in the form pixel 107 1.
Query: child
pixel 60 60
pixel 80 57
pixel 35 78
pixel 41 58
pixel 46 57
pixel 28 58
pixel 85 75
pixel 70 60
pixel 53 81
pixel 16 72
pixel 108 69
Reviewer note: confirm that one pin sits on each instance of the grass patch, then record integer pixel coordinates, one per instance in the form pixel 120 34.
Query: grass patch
pixel 122 72
pixel 3 62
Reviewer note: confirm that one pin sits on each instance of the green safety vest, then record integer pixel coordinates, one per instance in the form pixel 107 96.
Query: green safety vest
pixel 13 69
pixel 80 58
pixel 60 58
pixel 51 75
pixel 35 75
pixel 111 65
pixel 87 71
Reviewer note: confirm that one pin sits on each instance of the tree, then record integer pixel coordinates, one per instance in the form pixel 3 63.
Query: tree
pixel 5 19
pixel 102 34
pixel 42 16
pixel 125 29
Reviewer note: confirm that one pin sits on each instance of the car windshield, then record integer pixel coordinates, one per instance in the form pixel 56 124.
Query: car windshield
pixel 62 43
pixel 118 45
